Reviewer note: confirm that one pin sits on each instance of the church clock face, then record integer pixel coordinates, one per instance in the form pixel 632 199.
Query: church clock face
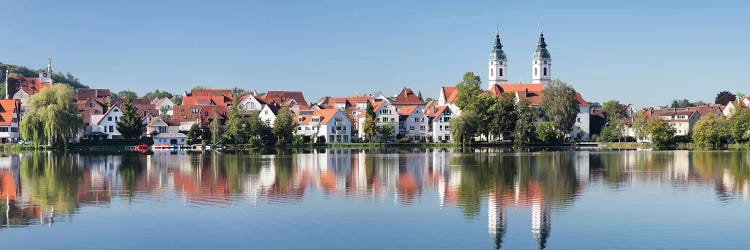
pixel 44 74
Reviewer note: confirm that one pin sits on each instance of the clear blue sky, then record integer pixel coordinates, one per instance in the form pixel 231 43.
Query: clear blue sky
pixel 641 52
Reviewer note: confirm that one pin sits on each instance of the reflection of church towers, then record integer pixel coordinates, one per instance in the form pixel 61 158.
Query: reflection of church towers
pixel 496 220
pixel 540 222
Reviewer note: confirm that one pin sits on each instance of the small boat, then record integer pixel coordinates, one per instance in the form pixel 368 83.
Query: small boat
pixel 142 148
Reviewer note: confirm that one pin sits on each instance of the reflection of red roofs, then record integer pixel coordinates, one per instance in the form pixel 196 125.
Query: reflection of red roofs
pixel 328 181
pixel 7 185
pixel 407 187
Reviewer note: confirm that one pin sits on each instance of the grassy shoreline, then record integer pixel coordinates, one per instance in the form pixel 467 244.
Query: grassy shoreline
pixel 119 148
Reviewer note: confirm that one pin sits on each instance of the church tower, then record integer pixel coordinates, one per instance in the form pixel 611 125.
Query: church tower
pixel 498 64
pixel 542 63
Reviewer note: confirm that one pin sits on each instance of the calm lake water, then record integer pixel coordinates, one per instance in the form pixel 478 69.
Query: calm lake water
pixel 351 199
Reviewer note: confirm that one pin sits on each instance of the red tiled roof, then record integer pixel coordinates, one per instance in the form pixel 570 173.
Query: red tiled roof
pixel 407 110
pixel 535 92
pixel 30 85
pixel 450 93
pixel 8 107
pixel 430 108
pixel 439 111
pixel 205 100
pixel 281 96
pixel 84 94
pixel 324 114
pixel 211 92
pixel 407 97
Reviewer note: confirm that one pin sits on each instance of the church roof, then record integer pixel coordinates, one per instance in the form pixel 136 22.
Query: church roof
pixel 541 48
pixel 497 53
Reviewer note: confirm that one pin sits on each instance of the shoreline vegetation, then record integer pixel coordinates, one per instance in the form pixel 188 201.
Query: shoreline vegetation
pixel 122 147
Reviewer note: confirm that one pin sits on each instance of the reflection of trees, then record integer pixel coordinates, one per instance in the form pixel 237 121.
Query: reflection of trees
pixel 51 181
pixel 617 168
pixel 553 174
pixel 130 169
pixel 556 174
pixel 730 171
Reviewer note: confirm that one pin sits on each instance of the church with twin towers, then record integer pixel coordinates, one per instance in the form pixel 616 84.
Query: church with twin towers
pixel 541 65
pixel 541 76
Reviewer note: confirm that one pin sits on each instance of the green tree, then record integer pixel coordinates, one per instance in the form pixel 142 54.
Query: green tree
pixel 560 105
pixel 505 115
pixel 710 132
pixel 524 131
pixel 740 96
pixel 258 132
pixel 613 110
pixel 52 118
pixel 613 130
pixel 130 95
pixel 284 126
pixel 387 132
pixel 234 124
pixel 661 132
pixel 130 125
pixel 639 124
pixel 488 114
pixel 194 134
pixel 740 125
pixel 725 97
pixel 547 133
pixel 464 127
pixel 216 131
pixel 419 95
pixel 157 94
pixel 237 91
pixel 370 127
pixel 468 90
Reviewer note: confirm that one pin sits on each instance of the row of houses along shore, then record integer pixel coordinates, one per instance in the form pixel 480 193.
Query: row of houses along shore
pixel 339 119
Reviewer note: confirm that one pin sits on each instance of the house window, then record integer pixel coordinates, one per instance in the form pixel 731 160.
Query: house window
pixel 111 129
pixel 109 118
pixel 411 127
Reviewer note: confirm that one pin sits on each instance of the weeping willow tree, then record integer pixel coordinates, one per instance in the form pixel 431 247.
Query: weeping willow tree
pixel 53 117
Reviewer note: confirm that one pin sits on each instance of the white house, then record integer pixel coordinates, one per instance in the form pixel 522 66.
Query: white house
pixel 413 123
pixel 733 106
pixel 441 131
pixel 385 113
pixel 268 113
pixel 156 126
pixel 251 103
pixel 106 124
pixel 164 104
pixel 330 123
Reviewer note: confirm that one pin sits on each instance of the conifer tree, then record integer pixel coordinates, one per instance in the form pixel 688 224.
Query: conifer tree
pixel 130 125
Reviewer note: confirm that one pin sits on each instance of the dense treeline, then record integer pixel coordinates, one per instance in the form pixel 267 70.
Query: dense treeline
pixel 488 117
pixel 57 77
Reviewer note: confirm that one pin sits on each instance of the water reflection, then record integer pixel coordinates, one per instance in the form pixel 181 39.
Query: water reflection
pixel 44 188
